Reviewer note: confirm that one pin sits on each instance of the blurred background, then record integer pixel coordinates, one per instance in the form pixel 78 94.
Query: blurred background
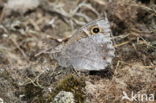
pixel 30 29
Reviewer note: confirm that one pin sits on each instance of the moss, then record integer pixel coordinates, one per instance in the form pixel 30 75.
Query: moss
pixel 70 83
pixel 32 91
pixel 74 84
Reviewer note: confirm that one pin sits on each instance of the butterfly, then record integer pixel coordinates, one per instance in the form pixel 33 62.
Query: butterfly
pixel 90 48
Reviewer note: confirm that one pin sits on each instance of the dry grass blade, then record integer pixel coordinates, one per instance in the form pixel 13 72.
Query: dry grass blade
pixel 18 47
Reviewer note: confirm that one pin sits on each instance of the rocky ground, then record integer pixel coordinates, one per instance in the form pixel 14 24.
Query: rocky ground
pixel 30 30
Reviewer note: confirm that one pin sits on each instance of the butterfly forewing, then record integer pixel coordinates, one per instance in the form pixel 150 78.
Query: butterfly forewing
pixel 89 49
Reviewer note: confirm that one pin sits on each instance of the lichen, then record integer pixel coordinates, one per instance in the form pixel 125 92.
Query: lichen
pixel 64 97
pixel 74 84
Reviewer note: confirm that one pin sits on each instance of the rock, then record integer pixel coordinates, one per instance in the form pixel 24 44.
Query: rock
pixel 64 97
pixel 21 6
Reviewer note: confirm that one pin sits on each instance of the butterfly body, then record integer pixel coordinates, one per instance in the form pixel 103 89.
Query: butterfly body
pixel 89 49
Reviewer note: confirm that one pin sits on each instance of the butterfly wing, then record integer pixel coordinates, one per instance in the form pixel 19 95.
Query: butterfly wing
pixel 92 53
pixel 85 32
pixel 88 52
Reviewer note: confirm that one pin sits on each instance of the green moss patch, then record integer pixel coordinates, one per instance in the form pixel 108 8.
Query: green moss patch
pixel 74 84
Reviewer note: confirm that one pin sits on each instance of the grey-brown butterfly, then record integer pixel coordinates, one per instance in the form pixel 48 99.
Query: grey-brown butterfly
pixel 90 48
